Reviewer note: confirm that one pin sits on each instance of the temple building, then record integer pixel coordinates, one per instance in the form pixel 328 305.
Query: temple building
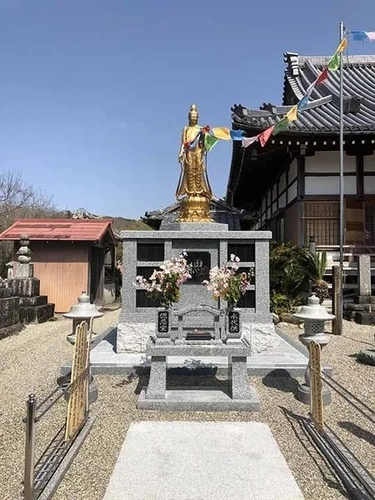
pixel 291 185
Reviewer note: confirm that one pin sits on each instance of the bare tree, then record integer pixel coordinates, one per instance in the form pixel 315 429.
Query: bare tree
pixel 19 200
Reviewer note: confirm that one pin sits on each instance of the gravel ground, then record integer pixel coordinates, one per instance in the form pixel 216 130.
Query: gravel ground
pixel 31 362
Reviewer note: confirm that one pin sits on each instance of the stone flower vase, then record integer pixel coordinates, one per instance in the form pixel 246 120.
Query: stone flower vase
pixel 232 323
pixel 163 322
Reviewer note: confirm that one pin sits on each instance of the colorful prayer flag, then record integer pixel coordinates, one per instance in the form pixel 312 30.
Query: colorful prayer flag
pixel 292 114
pixel 247 141
pixel 323 76
pixel 282 125
pixel 342 46
pixel 361 36
pixel 265 135
pixel 210 142
pixel 237 135
pixel 334 62
pixel 303 103
pixel 221 133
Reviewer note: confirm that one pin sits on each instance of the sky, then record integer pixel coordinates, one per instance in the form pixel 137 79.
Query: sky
pixel 94 93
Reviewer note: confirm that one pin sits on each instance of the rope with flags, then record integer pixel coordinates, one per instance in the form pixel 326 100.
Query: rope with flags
pixel 292 114
pixel 210 136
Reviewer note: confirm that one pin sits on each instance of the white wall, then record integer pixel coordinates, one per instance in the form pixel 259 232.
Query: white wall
pixel 329 161
pixel 330 185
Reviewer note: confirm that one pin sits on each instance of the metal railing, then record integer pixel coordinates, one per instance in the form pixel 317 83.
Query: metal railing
pixel 38 472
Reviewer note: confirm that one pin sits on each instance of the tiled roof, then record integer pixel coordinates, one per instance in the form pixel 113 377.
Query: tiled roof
pixel 59 229
pixel 322 113
pixel 220 212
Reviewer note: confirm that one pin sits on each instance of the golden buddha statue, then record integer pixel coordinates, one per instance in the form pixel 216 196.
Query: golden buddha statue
pixel 193 190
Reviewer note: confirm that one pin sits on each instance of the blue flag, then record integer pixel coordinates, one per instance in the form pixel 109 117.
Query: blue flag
pixel 237 135
pixel 303 103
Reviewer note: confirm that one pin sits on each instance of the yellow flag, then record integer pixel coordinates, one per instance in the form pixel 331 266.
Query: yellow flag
pixel 221 133
pixel 342 46
pixel 292 114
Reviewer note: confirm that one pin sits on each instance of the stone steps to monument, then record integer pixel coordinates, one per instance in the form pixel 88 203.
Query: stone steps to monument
pixel 36 314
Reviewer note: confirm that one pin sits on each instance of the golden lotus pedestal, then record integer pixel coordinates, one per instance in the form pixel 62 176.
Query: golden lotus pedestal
pixel 195 208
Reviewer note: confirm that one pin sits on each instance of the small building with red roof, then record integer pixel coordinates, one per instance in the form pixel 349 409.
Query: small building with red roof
pixel 70 256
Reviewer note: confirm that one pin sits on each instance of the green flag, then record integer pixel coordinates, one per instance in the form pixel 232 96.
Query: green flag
pixel 209 141
pixel 334 62
pixel 282 125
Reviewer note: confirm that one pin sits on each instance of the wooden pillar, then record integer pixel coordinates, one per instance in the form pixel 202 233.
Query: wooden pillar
pixel 360 175
pixel 337 300
pixel 300 197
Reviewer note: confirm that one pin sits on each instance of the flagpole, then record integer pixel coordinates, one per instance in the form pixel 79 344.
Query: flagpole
pixel 341 141
pixel 340 293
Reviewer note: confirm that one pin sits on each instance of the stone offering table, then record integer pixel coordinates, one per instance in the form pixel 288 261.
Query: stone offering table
pixel 240 395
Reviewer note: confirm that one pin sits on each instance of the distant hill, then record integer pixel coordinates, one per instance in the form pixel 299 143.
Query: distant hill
pixel 122 224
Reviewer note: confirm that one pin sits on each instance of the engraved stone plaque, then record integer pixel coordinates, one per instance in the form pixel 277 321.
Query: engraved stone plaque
pixel 200 264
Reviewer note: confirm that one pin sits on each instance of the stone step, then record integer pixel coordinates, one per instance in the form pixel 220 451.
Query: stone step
pixel 37 314
pixel 39 300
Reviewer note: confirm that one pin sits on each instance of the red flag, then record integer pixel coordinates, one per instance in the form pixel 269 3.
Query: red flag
pixel 323 76
pixel 264 136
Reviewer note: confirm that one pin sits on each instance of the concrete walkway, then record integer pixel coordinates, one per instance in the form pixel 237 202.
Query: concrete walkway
pixel 201 460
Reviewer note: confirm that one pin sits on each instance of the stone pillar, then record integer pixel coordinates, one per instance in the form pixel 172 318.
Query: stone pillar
pixel 238 377
pixel 157 384
pixel 364 275
pixel 262 278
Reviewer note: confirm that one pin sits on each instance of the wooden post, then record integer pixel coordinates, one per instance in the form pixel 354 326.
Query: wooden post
pixel 316 387
pixel 337 300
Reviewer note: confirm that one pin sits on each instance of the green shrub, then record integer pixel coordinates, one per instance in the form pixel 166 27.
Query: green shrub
pixel 280 303
pixel 295 272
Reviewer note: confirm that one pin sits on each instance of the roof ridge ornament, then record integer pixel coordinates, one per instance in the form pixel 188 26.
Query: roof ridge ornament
pixel 291 58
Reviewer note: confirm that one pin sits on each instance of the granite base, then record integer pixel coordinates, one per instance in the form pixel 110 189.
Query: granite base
pixel 203 399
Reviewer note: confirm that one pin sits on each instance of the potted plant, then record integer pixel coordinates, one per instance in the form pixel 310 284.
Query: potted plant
pixel 164 286
pixel 227 283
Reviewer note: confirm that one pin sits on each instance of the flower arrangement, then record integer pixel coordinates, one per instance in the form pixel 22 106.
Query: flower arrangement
pixel 164 284
pixel 226 283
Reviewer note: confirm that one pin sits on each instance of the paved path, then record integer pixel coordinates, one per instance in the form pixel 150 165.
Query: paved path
pixel 200 460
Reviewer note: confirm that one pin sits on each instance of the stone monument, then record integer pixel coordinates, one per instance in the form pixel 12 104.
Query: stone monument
pixel 33 307
pixel 208 244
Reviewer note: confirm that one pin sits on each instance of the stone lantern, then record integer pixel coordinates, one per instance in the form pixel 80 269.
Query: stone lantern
pixel 82 311
pixel 314 317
